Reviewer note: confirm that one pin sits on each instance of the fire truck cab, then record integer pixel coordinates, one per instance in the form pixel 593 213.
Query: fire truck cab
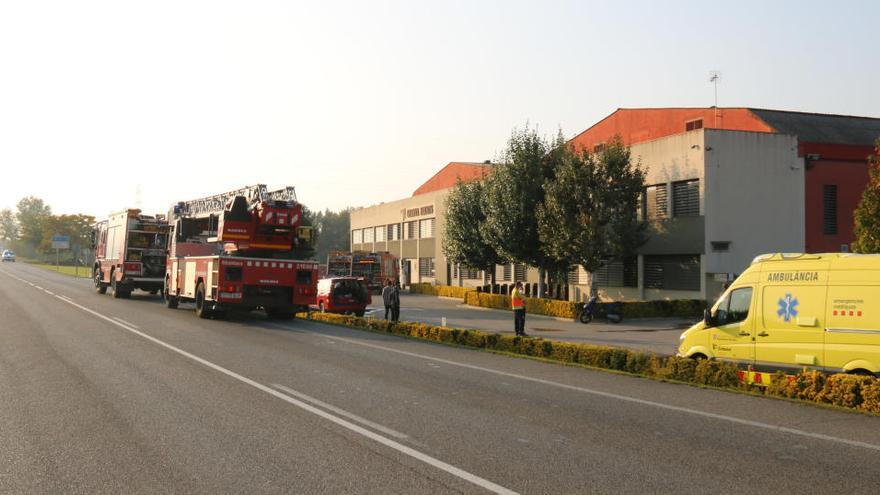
pixel 129 253
pixel 235 251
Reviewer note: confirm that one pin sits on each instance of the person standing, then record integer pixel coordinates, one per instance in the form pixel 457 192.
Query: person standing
pixel 386 296
pixel 395 302
pixel 518 304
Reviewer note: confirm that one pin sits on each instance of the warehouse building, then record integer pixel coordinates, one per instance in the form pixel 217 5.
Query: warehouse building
pixel 723 185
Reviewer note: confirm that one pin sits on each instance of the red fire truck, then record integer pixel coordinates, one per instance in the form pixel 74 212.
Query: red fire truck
pixel 236 250
pixel 375 268
pixel 129 253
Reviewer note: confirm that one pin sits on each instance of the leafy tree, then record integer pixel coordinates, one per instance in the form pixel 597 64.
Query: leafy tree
pixel 512 195
pixel 867 215
pixel 31 215
pixel 333 230
pixel 589 213
pixel 8 226
pixel 463 241
pixel 78 227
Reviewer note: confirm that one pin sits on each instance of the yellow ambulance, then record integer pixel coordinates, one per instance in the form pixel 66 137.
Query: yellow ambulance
pixel 793 311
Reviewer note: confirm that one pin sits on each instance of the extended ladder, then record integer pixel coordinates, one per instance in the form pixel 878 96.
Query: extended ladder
pixel 215 204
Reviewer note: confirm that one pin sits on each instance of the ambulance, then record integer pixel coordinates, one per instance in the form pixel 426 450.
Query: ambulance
pixel 793 311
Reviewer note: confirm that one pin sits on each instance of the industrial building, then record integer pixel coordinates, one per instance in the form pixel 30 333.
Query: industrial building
pixel 723 185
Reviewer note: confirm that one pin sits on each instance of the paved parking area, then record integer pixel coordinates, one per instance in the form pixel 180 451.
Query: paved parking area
pixel 647 334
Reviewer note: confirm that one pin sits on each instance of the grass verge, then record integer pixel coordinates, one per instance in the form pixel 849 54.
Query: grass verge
pixel 79 272
pixel 851 392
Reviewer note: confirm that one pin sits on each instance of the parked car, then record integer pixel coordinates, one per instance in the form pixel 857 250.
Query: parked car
pixel 8 256
pixel 346 295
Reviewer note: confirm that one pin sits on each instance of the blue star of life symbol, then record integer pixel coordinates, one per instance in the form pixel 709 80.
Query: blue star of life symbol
pixel 787 307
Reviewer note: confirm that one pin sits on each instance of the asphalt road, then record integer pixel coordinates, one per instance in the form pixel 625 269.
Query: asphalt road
pixel 657 335
pixel 126 396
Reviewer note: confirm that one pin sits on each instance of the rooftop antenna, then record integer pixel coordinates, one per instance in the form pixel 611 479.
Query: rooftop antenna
pixel 715 78
pixel 137 197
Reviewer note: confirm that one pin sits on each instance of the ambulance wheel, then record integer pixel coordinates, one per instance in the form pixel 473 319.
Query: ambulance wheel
pixel 170 301
pixel 98 276
pixel 202 310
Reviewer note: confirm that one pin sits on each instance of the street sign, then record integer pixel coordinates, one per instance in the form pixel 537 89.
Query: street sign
pixel 60 242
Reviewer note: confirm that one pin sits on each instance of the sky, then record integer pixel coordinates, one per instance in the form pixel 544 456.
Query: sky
pixel 108 105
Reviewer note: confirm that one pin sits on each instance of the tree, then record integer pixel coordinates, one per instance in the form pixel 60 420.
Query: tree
pixel 31 214
pixel 512 195
pixel 78 227
pixel 334 232
pixel 589 213
pixel 867 215
pixel 8 226
pixel 463 241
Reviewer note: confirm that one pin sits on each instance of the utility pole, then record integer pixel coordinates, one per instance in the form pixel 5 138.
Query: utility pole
pixel 715 78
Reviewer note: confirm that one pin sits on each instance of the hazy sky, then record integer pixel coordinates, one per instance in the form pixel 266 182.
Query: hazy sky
pixel 354 103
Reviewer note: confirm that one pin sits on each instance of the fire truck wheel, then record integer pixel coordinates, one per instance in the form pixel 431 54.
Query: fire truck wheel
pixel 170 301
pixel 117 292
pixel 100 286
pixel 202 310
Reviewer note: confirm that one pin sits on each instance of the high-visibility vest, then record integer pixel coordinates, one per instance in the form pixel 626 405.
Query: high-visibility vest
pixel 516 299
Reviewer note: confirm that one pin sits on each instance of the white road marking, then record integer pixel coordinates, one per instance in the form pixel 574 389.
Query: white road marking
pixel 120 320
pixel 341 412
pixel 38 287
pixel 47 291
pixel 625 398
pixel 437 463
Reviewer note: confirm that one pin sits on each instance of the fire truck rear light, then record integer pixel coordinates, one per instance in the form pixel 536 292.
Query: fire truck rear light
pixel 133 268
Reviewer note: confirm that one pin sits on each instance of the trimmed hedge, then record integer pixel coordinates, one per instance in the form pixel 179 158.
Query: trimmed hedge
pixel 440 290
pixel 683 308
pixel 860 393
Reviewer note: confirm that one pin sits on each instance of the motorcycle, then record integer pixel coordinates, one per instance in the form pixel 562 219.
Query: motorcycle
pixel 612 312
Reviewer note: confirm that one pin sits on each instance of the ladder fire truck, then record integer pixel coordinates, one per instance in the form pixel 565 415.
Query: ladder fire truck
pixel 129 253
pixel 234 251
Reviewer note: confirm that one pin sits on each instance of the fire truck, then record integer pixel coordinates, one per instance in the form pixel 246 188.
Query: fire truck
pixel 375 268
pixel 129 253
pixel 236 250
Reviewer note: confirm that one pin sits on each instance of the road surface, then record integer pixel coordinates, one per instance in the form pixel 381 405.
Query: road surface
pixel 126 396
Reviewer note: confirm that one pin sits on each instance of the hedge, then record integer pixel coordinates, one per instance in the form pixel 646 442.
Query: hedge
pixel 860 393
pixel 440 290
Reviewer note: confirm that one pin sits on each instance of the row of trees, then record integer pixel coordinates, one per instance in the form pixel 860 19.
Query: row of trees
pixel 30 228
pixel 867 215
pixel 548 205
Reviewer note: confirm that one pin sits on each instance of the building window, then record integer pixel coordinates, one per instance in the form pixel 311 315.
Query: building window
pixel 426 210
pixel 469 273
pixel 686 198
pixel 368 235
pixel 412 212
pixel 622 273
pixel 519 272
pixel 506 272
pixel 357 236
pixel 426 228
pixel 720 246
pixel 412 229
pixel 574 275
pixel 673 272
pixel 693 125
pixel 380 233
pixel 829 209
pixel 655 202
pixel 393 232
pixel 426 267
pixel 598 148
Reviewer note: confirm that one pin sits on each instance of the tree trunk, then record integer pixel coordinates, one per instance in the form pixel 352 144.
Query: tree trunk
pixel 594 284
pixel 541 275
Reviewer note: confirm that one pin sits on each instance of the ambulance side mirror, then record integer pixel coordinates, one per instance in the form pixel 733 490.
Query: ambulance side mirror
pixel 708 319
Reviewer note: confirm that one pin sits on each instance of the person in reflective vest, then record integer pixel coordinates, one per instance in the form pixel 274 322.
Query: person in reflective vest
pixel 518 303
